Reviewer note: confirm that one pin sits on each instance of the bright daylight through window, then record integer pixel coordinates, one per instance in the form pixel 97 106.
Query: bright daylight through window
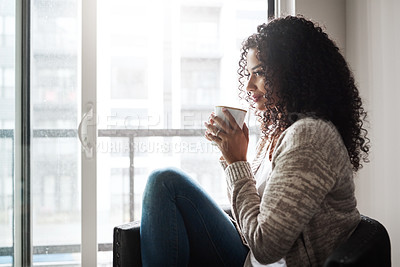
pixel 162 66
pixel 7 121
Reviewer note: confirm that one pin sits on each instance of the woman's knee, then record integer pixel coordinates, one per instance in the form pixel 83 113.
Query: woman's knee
pixel 160 176
pixel 162 183
pixel 164 178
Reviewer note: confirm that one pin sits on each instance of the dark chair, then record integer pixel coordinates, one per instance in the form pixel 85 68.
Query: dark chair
pixel 369 245
pixel 126 244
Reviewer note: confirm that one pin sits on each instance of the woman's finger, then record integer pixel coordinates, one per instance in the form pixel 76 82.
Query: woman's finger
pixel 214 130
pixel 206 135
pixel 231 119
pixel 210 119
pixel 211 128
pixel 221 123
pixel 212 137
pixel 246 131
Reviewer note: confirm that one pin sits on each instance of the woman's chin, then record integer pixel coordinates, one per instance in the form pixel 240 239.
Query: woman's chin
pixel 260 107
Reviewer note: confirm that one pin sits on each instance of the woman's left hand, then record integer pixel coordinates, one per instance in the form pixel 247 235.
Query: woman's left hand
pixel 231 140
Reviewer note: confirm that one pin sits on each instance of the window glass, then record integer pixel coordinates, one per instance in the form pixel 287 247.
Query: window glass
pixel 200 81
pixel 1 25
pixel 7 128
pixel 1 83
pixel 129 78
pixel 55 171
pixel 162 66
pixel 9 25
pixel 9 77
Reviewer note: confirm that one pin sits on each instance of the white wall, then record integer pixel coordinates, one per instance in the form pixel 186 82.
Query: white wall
pixel 368 32
pixel 330 15
pixel 373 51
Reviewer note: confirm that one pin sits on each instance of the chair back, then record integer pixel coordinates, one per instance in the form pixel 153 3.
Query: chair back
pixel 369 245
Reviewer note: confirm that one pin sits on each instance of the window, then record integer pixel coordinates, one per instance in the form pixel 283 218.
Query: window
pixel 165 68
pixel 162 66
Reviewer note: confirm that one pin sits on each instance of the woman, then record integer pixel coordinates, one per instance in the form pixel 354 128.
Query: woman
pixel 296 202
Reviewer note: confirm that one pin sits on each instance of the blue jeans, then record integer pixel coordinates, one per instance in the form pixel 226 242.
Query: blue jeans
pixel 182 226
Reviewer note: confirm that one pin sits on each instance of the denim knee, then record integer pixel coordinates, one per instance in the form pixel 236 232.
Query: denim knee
pixel 160 176
pixel 160 179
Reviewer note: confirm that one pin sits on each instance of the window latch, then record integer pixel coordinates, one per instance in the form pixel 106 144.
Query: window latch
pixel 83 135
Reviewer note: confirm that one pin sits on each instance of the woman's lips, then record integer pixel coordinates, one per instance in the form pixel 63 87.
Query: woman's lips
pixel 255 98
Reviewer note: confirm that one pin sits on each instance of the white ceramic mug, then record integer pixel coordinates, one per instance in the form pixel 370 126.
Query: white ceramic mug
pixel 237 113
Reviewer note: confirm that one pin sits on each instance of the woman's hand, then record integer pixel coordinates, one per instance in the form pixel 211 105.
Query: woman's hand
pixel 230 139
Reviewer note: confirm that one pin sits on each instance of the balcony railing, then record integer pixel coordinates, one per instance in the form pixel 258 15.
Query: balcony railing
pixel 125 133
pixel 72 133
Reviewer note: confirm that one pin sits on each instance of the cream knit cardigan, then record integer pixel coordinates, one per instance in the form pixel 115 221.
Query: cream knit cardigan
pixel 308 206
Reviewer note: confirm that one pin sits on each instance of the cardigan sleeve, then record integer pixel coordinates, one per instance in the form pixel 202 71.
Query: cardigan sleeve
pixel 223 164
pixel 301 177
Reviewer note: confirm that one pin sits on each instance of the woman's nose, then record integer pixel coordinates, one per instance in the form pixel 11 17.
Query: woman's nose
pixel 250 84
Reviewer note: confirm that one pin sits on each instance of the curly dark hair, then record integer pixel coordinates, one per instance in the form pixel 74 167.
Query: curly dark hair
pixel 308 75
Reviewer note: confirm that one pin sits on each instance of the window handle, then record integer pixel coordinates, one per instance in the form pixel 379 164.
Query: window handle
pixel 87 146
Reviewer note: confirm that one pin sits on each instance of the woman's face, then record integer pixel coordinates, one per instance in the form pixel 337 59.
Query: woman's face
pixel 256 80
